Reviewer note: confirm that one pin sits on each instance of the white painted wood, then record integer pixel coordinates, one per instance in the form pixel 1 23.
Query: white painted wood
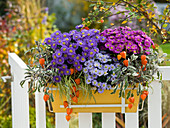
pixel 60 120
pixel 85 120
pixel 131 120
pixel 165 72
pixel 19 95
pixel 108 120
pixel 123 105
pixel 154 106
pixel 40 110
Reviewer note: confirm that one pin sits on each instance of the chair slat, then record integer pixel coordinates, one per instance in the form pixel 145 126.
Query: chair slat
pixel 108 120
pixel 85 120
pixel 60 120
pixel 131 120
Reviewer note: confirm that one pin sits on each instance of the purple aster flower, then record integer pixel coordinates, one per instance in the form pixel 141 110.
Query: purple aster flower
pixel 72 32
pixel 118 65
pixel 53 63
pixel 82 59
pixel 102 39
pixel 94 76
pixel 95 71
pixel 79 26
pixel 70 61
pixel 111 47
pixel 90 66
pixel 60 60
pixel 96 50
pixel 100 72
pixel 113 75
pixel 91 53
pixel 48 41
pixel 59 42
pixel 77 58
pixel 76 36
pixel 96 64
pixel 64 49
pixel 58 53
pixel 88 81
pixel 67 72
pixel 94 82
pixel 92 44
pixel 61 71
pixel 80 43
pixel 117 50
pixel 100 90
pixel 65 35
pixel 85 70
pixel 112 67
pixel 107 45
pixel 104 60
pixel 106 67
pixel 54 56
pixel 57 33
pixel 65 56
pixel 109 87
pixel 71 51
pixel 147 43
pixel 138 39
pixel 103 85
pixel 86 63
pixel 75 46
pixel 76 63
pixel 64 66
pixel 72 56
pixel 57 79
pixel 86 48
pixel 85 54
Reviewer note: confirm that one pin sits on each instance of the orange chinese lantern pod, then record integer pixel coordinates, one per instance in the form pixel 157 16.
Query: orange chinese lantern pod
pixel 83 19
pixel 41 61
pixel 153 46
pixel 74 99
pixel 77 93
pixel 130 106
pixel 86 28
pixel 46 97
pixel 74 89
pixel 72 71
pixel 65 103
pixel 77 81
pixel 144 68
pixel 68 117
pixel 143 96
pixel 101 21
pixel 119 57
pixel 132 99
pixel 145 92
pixel 69 111
pixel 144 62
pixel 123 54
pixel 143 57
pixel 125 62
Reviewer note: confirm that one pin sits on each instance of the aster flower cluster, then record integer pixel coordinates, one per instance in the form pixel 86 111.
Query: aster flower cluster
pixel 71 50
pixel 99 71
pixel 124 39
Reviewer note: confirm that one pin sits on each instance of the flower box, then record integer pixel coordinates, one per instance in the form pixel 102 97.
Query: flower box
pixel 104 102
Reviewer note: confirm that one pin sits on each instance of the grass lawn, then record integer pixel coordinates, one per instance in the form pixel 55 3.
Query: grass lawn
pixel 166 49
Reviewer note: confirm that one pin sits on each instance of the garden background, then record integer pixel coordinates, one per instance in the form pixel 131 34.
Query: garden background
pixel 24 21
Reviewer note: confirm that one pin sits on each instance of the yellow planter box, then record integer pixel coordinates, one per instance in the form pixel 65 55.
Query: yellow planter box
pixel 104 102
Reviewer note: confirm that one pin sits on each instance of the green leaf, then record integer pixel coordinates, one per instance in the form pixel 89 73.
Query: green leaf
pixel 128 94
pixel 91 5
pixel 164 25
pixel 22 82
pixel 115 89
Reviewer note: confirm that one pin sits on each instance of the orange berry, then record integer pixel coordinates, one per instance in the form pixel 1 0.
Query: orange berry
pixel 153 46
pixel 69 111
pixel 77 81
pixel 46 97
pixel 125 62
pixel 144 62
pixel 65 103
pixel 77 93
pixel 132 99
pixel 145 92
pixel 123 54
pixel 83 19
pixel 143 57
pixel 144 68
pixel 119 57
pixel 72 71
pixel 75 99
pixel 41 61
pixel 68 117
pixel 130 106
pixel 143 96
